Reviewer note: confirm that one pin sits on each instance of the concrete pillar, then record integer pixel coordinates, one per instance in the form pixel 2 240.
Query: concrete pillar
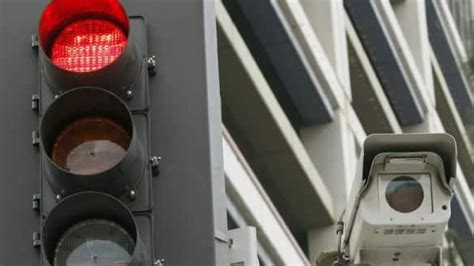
pixel 411 16
pixel 327 20
pixel 332 149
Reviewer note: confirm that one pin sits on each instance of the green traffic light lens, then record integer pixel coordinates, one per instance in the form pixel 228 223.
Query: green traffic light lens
pixel 90 145
pixel 94 242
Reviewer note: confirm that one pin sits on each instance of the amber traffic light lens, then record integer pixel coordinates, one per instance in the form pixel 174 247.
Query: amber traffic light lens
pixel 90 145
pixel 404 194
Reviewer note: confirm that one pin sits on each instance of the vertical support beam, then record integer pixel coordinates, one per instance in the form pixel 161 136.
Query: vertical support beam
pixel 450 29
pixel 411 16
pixel 376 115
pixel 332 150
pixel 439 34
pixel 281 58
pixel 268 140
pixel 327 20
pixel 247 193
pixel 386 60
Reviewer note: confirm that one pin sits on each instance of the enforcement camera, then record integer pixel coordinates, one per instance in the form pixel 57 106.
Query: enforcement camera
pixel 399 205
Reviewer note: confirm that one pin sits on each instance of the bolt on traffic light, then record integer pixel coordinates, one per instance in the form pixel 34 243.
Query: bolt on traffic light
pixel 96 198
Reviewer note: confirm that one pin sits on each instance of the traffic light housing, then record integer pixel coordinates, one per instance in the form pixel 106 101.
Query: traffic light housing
pixel 94 134
pixel 93 43
pixel 90 228
pixel 177 117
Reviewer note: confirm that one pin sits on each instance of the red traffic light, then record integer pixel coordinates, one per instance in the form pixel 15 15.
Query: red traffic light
pixel 83 36
pixel 88 45
pixel 94 145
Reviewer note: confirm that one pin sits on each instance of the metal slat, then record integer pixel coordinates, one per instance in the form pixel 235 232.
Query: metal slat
pixel 457 83
pixel 385 61
pixel 280 57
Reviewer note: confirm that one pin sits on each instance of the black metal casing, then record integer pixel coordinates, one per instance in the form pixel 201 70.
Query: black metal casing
pixel 118 180
pixel 65 96
pixel 180 113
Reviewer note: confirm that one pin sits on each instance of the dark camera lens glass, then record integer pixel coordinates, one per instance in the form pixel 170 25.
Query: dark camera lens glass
pixel 404 194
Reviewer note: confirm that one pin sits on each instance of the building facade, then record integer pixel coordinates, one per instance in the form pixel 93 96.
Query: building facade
pixel 303 82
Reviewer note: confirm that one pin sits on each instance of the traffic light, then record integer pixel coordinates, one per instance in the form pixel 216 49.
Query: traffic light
pixel 94 132
pixel 102 116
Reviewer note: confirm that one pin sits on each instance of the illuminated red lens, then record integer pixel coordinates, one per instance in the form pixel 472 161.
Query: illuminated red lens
pixel 88 45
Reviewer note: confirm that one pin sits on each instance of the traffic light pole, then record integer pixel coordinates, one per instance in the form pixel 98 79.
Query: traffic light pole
pixel 188 194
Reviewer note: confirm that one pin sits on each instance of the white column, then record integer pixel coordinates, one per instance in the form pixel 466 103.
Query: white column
pixel 327 20
pixel 245 190
pixel 332 150
pixel 411 16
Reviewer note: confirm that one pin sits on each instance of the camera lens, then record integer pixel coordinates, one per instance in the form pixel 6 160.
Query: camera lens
pixel 404 194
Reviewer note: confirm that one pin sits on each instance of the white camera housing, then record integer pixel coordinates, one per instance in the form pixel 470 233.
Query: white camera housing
pixel 399 205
